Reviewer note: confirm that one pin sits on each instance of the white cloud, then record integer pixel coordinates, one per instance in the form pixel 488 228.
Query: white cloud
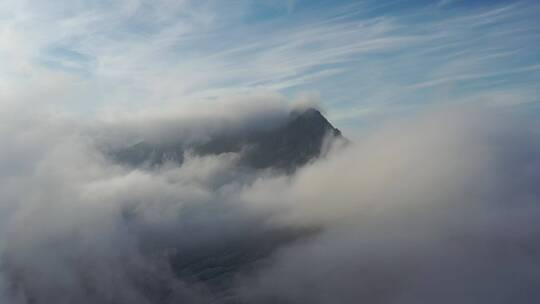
pixel 447 200
pixel 134 53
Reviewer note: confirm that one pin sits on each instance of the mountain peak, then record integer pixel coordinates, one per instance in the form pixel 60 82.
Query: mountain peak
pixel 306 113
pixel 313 119
pixel 285 147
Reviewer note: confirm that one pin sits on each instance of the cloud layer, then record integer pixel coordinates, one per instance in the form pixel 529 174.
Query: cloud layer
pixel 443 208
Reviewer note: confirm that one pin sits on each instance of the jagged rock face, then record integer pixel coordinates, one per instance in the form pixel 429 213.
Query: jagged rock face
pixel 285 147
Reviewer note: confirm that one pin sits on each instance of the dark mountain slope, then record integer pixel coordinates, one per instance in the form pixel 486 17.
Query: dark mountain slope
pixel 293 144
pixel 284 147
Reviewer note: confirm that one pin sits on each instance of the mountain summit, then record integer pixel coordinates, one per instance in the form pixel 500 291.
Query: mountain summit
pixel 287 146
pixel 293 144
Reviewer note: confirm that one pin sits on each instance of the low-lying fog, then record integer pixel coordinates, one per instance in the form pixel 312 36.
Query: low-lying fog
pixel 441 208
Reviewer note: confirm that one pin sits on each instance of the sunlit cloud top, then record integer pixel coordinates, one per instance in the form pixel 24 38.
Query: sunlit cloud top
pixel 362 60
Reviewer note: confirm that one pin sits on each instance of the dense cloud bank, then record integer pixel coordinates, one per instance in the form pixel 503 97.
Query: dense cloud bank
pixel 443 208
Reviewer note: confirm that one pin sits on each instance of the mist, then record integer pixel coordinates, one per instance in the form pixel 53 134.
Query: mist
pixel 441 207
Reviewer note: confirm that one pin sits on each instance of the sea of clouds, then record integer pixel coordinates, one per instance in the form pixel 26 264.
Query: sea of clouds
pixel 440 208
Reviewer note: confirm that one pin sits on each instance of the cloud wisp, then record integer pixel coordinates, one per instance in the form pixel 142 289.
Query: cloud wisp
pixel 366 59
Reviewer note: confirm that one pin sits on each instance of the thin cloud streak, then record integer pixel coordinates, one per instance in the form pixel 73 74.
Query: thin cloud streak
pixel 135 53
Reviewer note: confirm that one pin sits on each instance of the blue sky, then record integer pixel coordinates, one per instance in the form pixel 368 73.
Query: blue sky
pixel 363 61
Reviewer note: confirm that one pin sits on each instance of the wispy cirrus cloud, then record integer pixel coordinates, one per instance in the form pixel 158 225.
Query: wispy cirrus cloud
pixel 88 55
